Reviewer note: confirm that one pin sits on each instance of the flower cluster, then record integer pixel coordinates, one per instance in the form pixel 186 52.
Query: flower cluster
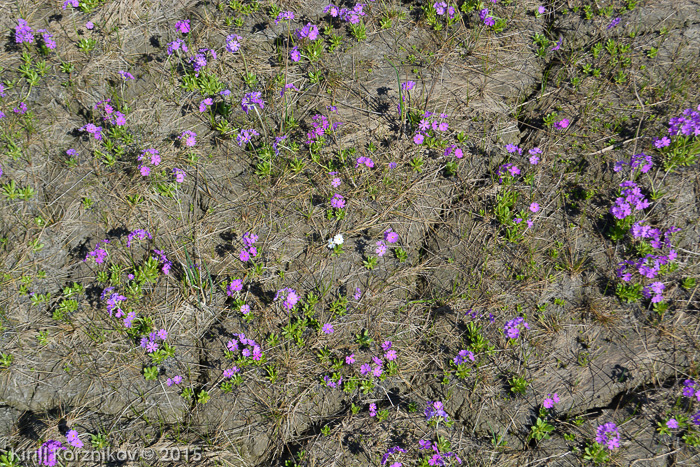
pixel 441 8
pixel 294 54
pixel 73 3
pixel 507 168
pixel 205 104
pixel 189 137
pixel 564 123
pixel 284 16
pixel 534 155
pixel 641 161
pixel 233 43
pixel 234 345
pixel 139 234
pixel 320 124
pixel 73 439
pixel 250 100
pixel 512 148
pixel 246 136
pixel 100 254
pixel 47 38
pixel 126 75
pixel 366 161
pixel 291 298
pixel 389 353
pixel 376 371
pixel 381 248
pixel 550 400
pixel 114 118
pixel 95 131
pixel 513 327
pixel 160 256
pixel 21 109
pixel 391 452
pixel 23 33
pixel 183 26
pixel 199 60
pixel 337 201
pixel 435 410
pixel 174 380
pixel 177 44
pixel 153 156
pixel 458 153
pixel 150 343
pixel 113 300
pixel 46 454
pixel 463 356
pixel 608 435
pixel 487 18
pixel 688 124
pixel 425 125
pixel 310 32
pixel 437 458
pixel 337 240
pixel 630 196
pixel 179 175
pixel 249 249
pixel 691 389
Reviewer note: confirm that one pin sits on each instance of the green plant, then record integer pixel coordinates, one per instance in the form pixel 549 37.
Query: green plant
pixel 6 359
pixel 87 44
pixel 370 262
pixel 629 293
pixel 540 430
pixel 150 373
pixel 363 339
pixel 518 384
pixel 688 283
pixel 10 459
pixel 596 453
pixel 99 441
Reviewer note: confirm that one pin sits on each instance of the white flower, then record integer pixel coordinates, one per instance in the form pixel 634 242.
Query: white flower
pixel 335 241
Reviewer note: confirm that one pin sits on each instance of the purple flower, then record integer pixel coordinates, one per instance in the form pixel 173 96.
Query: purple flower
pixel 561 124
pixel 250 100
pixel 245 309
pixel 381 248
pixel 534 207
pixel 46 454
pixel 550 400
pixel 291 298
pixel 236 285
pixel 350 359
pixel 151 347
pixel 327 328
pixel 337 201
pixel 73 440
pixel 608 435
pixel 23 33
pixel 662 143
pixel 418 138
pixel 183 26
pixel 204 105
pixel 245 136
pixel 177 44
pixel 285 15
pixel 294 54
pixel 179 175
pixel 390 355
pixel 435 409
pixel 233 43
pixel 614 23
pixel 189 137
pixel 672 423
pixel 462 357
pixel 310 31
pixel 541 9
pixel 73 3
pixel 557 46
pixel 513 327
pixel 391 236
pixel 139 234
pixel 244 256
pixel 511 148
pixel 365 369
pixel 373 410
pixel 89 25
